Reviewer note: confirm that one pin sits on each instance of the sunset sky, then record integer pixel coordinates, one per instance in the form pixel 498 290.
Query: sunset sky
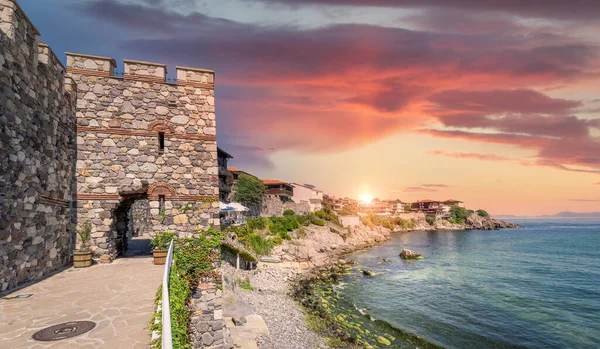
pixel 492 102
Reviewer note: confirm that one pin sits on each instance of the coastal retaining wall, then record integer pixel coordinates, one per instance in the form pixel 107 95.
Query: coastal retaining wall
pixel 37 136
pixel 207 324
pixel 349 221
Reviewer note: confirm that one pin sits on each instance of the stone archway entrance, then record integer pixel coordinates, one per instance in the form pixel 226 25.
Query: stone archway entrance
pixel 131 223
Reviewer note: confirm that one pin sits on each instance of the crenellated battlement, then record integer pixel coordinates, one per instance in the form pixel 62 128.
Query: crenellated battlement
pixel 85 64
pixel 145 71
pixel 90 64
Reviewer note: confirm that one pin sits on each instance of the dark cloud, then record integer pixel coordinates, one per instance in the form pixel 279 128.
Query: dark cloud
pixel 559 9
pixel 418 190
pixel 340 86
pixel 248 157
pixel 501 101
pixel 436 185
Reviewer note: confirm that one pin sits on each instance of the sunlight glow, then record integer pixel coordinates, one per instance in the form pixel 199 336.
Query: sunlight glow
pixel 366 198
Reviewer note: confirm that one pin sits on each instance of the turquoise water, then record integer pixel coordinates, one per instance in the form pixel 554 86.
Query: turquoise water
pixel 534 287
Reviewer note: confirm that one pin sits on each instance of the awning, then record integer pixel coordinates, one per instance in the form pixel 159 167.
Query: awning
pixel 232 207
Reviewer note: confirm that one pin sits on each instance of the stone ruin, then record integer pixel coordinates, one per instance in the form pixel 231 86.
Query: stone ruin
pixel 132 154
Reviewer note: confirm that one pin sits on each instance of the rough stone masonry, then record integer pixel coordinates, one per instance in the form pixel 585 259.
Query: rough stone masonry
pixel 81 144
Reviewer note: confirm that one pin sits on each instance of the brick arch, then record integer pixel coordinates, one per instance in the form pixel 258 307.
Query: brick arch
pixel 161 126
pixel 158 188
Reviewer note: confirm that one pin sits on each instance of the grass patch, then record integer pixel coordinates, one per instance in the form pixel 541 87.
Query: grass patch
pixel 245 284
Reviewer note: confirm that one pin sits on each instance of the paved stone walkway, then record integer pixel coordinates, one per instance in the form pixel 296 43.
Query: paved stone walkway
pixel 118 297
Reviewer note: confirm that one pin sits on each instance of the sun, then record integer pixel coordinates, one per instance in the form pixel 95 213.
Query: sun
pixel 366 198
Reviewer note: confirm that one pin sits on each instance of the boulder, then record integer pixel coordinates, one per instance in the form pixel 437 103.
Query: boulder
pixel 239 320
pixel 408 254
pixel 367 272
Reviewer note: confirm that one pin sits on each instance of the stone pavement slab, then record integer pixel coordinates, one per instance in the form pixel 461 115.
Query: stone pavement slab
pixel 118 297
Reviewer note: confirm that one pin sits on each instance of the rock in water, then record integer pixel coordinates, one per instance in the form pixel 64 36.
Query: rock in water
pixel 367 272
pixel 408 254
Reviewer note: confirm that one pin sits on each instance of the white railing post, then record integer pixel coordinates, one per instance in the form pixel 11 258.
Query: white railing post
pixel 167 338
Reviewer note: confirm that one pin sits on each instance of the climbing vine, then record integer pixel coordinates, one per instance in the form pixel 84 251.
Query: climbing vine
pixel 193 258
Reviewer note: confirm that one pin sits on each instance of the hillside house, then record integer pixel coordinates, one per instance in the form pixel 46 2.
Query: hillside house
pixel 275 187
pixel 308 193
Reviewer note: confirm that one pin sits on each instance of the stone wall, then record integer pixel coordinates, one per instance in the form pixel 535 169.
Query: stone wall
pixel 37 137
pixel 207 325
pixel 272 206
pixel 120 123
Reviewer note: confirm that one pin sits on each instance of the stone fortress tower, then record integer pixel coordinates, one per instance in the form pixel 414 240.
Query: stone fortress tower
pixel 134 154
pixel 141 139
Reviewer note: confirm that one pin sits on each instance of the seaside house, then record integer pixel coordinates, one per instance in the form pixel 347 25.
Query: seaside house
pixel 429 207
pixel 401 206
pixel 378 207
pixel 309 194
pixel 225 176
pixel 453 202
pixel 237 172
pixel 283 190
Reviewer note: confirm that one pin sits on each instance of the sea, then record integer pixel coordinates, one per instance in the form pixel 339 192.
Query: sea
pixel 533 287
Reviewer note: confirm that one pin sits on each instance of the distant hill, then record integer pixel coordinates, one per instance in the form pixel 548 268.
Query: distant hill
pixel 567 214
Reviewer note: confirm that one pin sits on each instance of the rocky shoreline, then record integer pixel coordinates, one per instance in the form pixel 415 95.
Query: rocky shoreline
pixel 279 291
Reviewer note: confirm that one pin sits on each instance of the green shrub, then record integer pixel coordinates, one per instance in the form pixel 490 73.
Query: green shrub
pixel 284 235
pixel 305 219
pixel 289 213
pixel 367 221
pixel 259 244
pixel 430 220
pixel 257 223
pixel 162 240
pixel 195 256
pixel 84 232
pixel 275 241
pixel 459 214
pixel 242 232
pixel 179 295
pixel 482 213
pixel 301 233
pixel 349 210
pixel 319 222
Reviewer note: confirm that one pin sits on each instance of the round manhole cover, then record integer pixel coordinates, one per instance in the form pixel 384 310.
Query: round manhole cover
pixel 63 331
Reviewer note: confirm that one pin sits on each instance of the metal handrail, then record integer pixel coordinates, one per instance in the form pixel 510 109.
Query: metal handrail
pixel 167 337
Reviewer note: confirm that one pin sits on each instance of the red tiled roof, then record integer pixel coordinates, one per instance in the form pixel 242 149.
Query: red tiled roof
pixel 272 181
pixel 427 200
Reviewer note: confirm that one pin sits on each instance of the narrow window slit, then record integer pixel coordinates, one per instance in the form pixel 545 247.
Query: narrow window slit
pixel 161 141
pixel 161 204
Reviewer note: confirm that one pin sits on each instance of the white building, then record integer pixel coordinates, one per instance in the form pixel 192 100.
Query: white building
pixel 310 194
pixel 349 221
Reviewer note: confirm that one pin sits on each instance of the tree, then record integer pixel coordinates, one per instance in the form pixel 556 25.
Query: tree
pixel 482 213
pixel 459 214
pixel 349 210
pixel 249 190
